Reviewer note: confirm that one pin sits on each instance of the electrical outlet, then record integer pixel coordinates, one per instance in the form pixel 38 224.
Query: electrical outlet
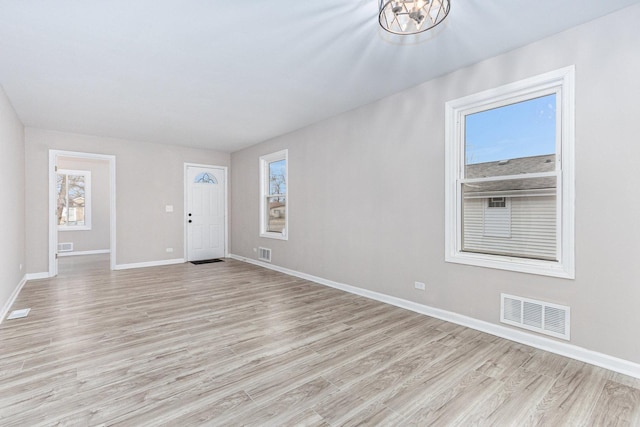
pixel 420 285
pixel 169 250
pixel 255 249
pixel 20 267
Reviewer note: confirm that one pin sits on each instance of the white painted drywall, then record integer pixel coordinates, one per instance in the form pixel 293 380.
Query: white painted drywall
pixel 366 191
pixel 12 175
pixel 148 177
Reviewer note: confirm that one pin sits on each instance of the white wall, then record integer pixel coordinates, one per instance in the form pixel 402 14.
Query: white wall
pixel 148 177
pixel 366 191
pixel 97 238
pixel 12 176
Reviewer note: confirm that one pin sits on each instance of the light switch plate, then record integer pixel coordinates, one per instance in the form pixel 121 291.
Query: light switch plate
pixel 168 208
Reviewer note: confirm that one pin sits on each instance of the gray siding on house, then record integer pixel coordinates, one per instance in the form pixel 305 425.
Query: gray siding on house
pixel 533 228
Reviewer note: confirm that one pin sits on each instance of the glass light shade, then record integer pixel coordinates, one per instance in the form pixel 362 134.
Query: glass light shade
pixel 412 16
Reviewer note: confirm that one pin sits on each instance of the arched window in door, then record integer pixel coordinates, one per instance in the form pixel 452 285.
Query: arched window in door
pixel 205 178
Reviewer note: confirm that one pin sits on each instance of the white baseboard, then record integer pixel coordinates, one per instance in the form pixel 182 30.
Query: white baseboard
pixel 38 276
pixel 12 299
pixel 602 360
pixel 76 253
pixel 149 264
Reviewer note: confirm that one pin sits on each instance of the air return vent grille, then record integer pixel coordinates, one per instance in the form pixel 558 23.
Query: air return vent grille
pixel 65 247
pixel 264 254
pixel 539 316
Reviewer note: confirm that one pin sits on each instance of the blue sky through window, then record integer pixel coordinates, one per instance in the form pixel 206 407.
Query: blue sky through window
pixel 524 129
pixel 277 177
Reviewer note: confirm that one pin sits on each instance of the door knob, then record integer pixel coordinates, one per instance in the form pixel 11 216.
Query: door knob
pixel 190 221
pixel 189 214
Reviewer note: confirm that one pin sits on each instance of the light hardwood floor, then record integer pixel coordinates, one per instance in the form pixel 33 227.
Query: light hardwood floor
pixel 234 344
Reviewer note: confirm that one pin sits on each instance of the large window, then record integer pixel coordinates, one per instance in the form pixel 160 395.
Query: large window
pixel 273 198
pixel 73 208
pixel 510 176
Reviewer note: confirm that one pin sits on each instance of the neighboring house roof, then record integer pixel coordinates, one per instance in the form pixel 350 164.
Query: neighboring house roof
pixel 512 167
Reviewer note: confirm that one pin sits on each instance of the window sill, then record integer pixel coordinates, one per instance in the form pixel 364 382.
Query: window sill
pixel 520 265
pixel 277 236
pixel 77 228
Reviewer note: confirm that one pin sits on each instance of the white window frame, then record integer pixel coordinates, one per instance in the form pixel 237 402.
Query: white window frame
pixel 87 200
pixel 264 194
pixel 561 82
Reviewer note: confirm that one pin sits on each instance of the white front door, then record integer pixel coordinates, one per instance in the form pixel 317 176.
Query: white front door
pixel 205 214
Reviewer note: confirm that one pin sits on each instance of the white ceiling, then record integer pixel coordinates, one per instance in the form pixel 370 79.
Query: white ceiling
pixel 229 74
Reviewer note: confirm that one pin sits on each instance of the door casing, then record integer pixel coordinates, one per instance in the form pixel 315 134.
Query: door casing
pixel 225 170
pixel 53 226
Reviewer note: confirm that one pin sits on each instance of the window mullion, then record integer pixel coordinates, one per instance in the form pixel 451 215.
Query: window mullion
pixel 510 177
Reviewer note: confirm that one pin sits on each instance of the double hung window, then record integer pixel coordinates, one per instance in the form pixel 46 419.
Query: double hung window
pixel 73 191
pixel 510 176
pixel 273 199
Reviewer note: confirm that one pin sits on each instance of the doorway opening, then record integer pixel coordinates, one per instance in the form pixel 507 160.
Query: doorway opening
pixel 82 214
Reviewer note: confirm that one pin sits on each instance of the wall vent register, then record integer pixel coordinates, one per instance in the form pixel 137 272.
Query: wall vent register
pixel 264 254
pixel 65 247
pixel 539 316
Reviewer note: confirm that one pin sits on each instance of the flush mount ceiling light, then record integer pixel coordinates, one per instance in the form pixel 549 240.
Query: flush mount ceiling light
pixel 412 16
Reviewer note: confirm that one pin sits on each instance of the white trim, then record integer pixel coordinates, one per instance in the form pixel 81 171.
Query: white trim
pixel 149 264
pixel 264 185
pixel 532 175
pixel 602 360
pixel 38 276
pixel 77 253
pixel 225 169
pixel 53 227
pixel 560 81
pixel 12 298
